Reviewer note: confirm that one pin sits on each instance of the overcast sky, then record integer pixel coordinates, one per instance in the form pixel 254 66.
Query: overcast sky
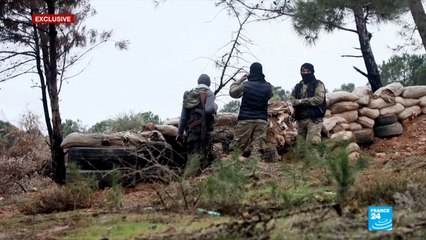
pixel 170 46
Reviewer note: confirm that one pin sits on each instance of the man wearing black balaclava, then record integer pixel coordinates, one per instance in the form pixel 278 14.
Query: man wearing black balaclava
pixel 250 131
pixel 309 104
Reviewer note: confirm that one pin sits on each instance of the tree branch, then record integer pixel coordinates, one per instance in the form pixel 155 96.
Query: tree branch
pixel 360 71
pixel 353 56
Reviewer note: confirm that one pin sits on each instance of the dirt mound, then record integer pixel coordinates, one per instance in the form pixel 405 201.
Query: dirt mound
pixel 412 142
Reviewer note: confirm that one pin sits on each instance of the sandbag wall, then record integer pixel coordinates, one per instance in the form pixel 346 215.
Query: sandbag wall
pixel 363 115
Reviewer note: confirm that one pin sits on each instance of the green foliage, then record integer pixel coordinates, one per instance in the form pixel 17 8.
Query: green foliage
pixel 346 87
pixel 280 94
pixel 192 166
pixel 5 128
pixel 69 126
pixel 226 184
pixel 297 197
pixel 115 193
pixel 232 106
pixel 334 156
pixel 342 171
pixel 408 69
pixel 104 126
pixel 312 17
pixel 125 122
pixel 304 152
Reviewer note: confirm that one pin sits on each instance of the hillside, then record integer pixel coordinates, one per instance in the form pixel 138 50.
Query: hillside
pixel 283 200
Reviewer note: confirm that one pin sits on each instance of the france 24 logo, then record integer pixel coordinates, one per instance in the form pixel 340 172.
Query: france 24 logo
pixel 379 218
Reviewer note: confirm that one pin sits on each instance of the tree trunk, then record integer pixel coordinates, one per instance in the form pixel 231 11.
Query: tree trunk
pixel 58 159
pixel 42 81
pixel 364 41
pixel 419 17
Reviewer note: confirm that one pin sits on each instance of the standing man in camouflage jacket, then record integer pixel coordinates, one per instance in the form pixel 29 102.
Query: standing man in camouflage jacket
pixel 309 104
pixel 250 131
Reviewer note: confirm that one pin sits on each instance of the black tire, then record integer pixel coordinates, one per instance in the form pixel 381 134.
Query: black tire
pixel 89 158
pixel 364 136
pixel 391 130
pixel 157 152
pixel 386 120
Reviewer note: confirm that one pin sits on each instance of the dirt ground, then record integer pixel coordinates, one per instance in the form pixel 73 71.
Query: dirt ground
pixel 395 155
pixel 411 143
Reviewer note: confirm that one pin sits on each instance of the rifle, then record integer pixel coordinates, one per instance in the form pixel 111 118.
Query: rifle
pixel 204 143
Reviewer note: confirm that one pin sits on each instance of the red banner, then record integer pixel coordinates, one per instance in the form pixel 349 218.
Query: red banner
pixel 53 18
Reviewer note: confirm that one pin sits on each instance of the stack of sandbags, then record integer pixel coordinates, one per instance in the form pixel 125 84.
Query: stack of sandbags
pixel 414 93
pixel 389 103
pixel 281 130
pixel 119 139
pixel 343 104
pixel 362 128
pixel 344 112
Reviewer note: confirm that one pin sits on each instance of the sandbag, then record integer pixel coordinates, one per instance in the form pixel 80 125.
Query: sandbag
pixel 342 136
pixel 341 127
pixel 379 103
pixel 226 119
pixel 424 110
pixel 395 109
pixel 407 102
pixel 330 123
pixel 222 133
pixel 274 138
pixel 366 122
pixel 364 95
pixel 121 139
pixel 412 111
pixel 414 92
pixel 369 112
pixel 352 147
pixel 350 116
pixel 344 106
pixel 354 156
pixel 340 96
pixel 172 121
pixel 355 126
pixel 167 130
pixel 422 102
pixel 390 91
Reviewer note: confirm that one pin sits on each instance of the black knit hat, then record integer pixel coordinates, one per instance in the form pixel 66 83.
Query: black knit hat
pixel 256 68
pixel 204 79
pixel 308 66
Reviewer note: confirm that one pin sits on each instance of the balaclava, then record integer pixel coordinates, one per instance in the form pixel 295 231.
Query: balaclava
pixel 308 77
pixel 256 71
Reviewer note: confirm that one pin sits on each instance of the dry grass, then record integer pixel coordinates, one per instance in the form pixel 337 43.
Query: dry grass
pixel 23 156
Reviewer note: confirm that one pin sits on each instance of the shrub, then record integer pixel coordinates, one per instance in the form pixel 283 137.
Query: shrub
pixel 226 184
pixel 24 153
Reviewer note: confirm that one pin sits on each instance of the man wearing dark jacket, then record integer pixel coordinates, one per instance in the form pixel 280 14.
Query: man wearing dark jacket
pixel 197 118
pixel 309 104
pixel 250 131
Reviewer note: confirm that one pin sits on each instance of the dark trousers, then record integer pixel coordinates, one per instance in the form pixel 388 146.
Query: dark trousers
pixel 196 145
